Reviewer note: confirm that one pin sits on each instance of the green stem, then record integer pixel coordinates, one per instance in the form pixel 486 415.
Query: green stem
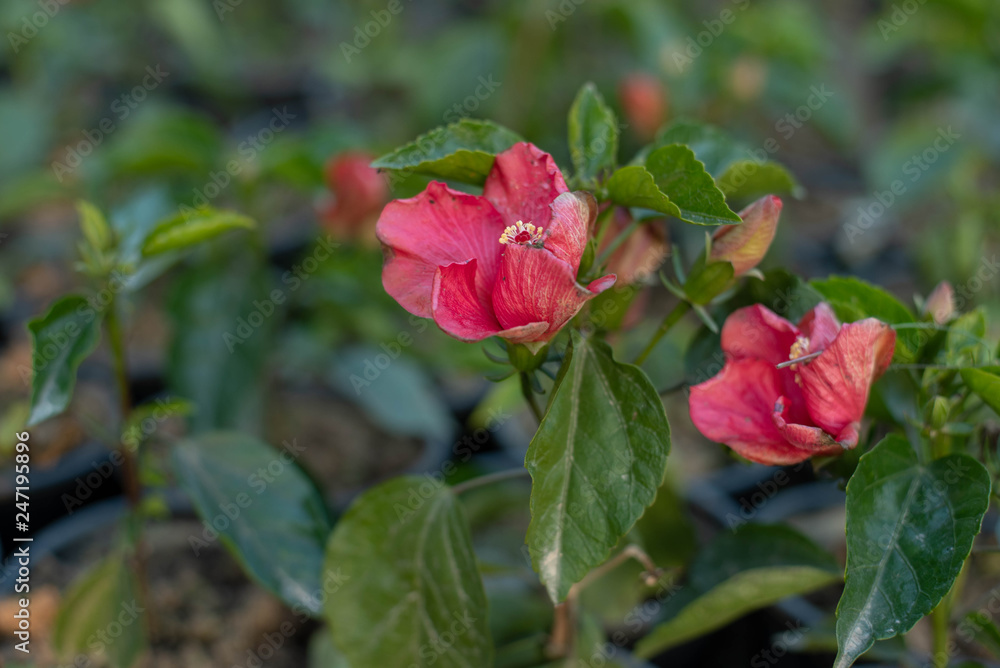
pixel 672 318
pixel 529 396
pixel 130 468
pixel 939 622
pixel 941 619
pixel 489 478
pixel 601 225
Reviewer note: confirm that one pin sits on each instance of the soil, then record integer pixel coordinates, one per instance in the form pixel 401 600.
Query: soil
pixel 207 613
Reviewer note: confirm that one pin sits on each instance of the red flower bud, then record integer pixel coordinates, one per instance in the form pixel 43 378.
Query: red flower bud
pixel 746 244
pixel 641 254
pixel 644 101
pixel 941 303
pixel 360 192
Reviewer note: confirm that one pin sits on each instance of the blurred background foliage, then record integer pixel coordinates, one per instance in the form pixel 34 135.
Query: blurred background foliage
pixel 149 106
pixel 897 72
pixel 144 107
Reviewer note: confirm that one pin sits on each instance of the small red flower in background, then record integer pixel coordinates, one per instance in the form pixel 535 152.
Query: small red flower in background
pixel 644 101
pixel 641 254
pixel 940 303
pixel 360 192
pixel 784 416
pixel 500 264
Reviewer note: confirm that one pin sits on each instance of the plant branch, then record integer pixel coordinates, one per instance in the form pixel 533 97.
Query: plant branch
pixel 487 479
pixel 672 318
pixel 529 396
pixel 561 641
pixel 130 466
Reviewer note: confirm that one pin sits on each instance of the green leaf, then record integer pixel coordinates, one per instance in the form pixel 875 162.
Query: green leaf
pixel 674 183
pixel 965 342
pixel 102 600
pixel 593 134
pixel 190 227
pixel 682 177
pixel 749 179
pixel 665 530
pixel 411 592
pixel 706 282
pixel 736 573
pixel 402 399
pixel 597 460
pixel 95 227
pixel 216 357
pixel 266 510
pixel 712 146
pixel 909 529
pixel 323 654
pixel 462 151
pixel 984 384
pixel 60 340
pixel 635 186
pixel 853 299
pixel 980 625
pixel 727 160
pixel 135 430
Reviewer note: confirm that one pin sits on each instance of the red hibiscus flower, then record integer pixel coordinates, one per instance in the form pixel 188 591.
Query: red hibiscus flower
pixel 360 193
pixel 784 416
pixel 501 264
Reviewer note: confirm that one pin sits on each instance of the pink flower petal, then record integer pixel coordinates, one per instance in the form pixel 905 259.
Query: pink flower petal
pixel 457 306
pixel 836 384
pixel 534 285
pixel 438 227
pixel 459 311
pixel 820 326
pixel 522 184
pixel 566 236
pixel 756 332
pixel 735 408
pixel 806 436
